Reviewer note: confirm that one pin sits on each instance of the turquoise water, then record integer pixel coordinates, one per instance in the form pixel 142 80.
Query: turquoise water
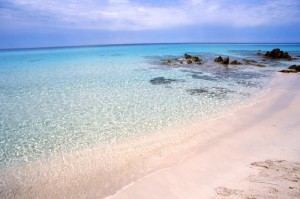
pixel 67 99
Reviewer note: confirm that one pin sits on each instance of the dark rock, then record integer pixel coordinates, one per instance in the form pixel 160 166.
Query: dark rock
pixel 249 61
pixel 295 67
pixel 288 71
pixel 161 80
pixel 188 61
pixel 235 62
pixel 196 59
pixel 187 56
pixel 169 62
pixel 225 61
pixel 260 65
pixel 277 54
pixel 196 76
pixel 291 69
pixel 172 62
pixel 219 59
pixel 166 61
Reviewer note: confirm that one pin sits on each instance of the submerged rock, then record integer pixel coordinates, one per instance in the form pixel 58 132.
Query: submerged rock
pixel 249 84
pixel 238 74
pixel 204 77
pixel 277 54
pixel 167 61
pixel 212 92
pixel 197 91
pixel 288 71
pixel 259 53
pixel 170 62
pixel 235 62
pixel 249 61
pixel 260 65
pixel 192 72
pixel 194 76
pixel 253 62
pixel 162 80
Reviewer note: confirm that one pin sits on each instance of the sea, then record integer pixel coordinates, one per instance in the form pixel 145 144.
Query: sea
pixel 57 101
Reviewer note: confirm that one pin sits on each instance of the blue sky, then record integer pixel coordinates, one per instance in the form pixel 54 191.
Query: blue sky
pixel 42 23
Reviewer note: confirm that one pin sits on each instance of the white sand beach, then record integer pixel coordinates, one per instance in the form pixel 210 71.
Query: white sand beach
pixel 256 154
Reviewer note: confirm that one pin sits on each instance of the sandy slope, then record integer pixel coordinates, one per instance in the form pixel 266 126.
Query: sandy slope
pixel 256 154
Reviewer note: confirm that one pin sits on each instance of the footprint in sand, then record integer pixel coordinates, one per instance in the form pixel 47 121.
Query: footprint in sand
pixel 276 179
pixel 222 191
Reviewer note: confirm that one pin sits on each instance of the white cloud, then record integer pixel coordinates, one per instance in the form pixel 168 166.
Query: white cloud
pixel 129 15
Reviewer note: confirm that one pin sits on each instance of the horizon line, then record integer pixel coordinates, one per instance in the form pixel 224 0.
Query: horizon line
pixel 128 44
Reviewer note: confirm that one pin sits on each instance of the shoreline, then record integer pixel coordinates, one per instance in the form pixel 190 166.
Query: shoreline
pixel 226 160
pixel 88 174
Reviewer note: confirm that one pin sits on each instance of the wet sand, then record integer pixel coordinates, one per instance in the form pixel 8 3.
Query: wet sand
pixel 255 154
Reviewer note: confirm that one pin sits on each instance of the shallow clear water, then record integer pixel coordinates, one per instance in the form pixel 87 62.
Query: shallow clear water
pixel 67 99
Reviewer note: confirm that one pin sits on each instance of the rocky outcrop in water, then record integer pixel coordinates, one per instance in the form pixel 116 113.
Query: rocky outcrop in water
pixel 189 61
pixel 295 67
pixel 277 54
pixel 225 61
pixel 291 69
pixel 249 61
pixel 196 59
pixel 186 59
pixel 221 60
pixel 235 62
pixel 192 59
pixel 187 56
pixel 218 59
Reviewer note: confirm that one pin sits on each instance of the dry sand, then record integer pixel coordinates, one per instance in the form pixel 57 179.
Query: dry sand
pixel 256 154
